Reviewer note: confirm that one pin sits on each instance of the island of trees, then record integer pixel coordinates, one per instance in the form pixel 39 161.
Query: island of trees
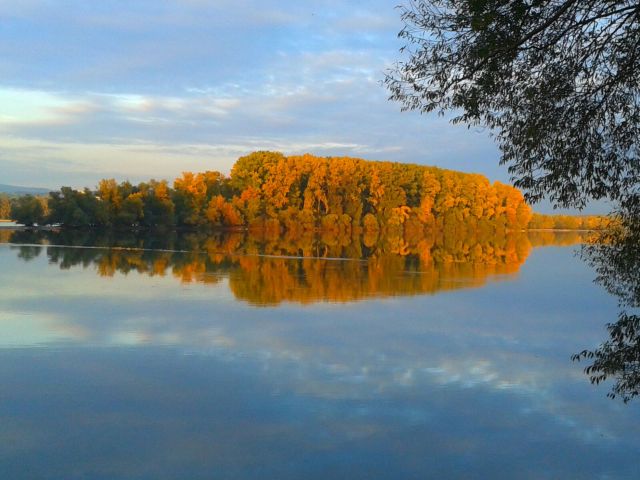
pixel 273 192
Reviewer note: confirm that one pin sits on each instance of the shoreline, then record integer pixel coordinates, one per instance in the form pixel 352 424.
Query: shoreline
pixel 49 228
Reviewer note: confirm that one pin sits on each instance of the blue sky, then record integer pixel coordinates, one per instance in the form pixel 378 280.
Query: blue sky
pixel 147 88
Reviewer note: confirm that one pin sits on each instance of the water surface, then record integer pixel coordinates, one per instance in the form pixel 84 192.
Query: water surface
pixel 219 357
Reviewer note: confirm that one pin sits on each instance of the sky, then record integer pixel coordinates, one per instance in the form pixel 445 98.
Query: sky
pixel 145 89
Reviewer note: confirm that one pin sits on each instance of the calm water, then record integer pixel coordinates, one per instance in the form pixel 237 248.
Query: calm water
pixel 203 358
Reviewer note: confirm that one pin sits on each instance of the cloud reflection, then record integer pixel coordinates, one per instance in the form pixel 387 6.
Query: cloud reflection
pixel 405 385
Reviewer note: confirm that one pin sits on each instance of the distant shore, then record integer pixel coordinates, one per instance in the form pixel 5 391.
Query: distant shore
pixel 3 226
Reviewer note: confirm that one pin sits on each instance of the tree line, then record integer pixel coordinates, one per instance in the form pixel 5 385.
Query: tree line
pixel 568 222
pixel 268 190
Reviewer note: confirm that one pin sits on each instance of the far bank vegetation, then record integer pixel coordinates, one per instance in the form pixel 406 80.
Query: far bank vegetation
pixel 273 192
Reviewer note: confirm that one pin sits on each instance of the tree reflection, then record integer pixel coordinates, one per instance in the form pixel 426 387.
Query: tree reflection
pixel 29 240
pixel 616 258
pixel 271 269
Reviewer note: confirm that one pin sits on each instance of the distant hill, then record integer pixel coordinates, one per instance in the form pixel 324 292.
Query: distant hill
pixel 17 190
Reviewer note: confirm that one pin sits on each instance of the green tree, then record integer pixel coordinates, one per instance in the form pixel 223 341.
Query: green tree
pixel 77 208
pixel 557 83
pixel 131 212
pixel 28 210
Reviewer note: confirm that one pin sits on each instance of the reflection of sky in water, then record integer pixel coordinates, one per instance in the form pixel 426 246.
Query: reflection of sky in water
pixel 150 378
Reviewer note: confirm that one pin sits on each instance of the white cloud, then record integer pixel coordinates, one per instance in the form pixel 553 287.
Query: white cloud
pixel 24 107
pixel 216 78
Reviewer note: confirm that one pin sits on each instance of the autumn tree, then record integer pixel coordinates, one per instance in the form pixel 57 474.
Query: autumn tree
pixel 158 207
pixel 190 198
pixel 111 197
pixel 5 207
pixel 271 192
pixel 252 170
